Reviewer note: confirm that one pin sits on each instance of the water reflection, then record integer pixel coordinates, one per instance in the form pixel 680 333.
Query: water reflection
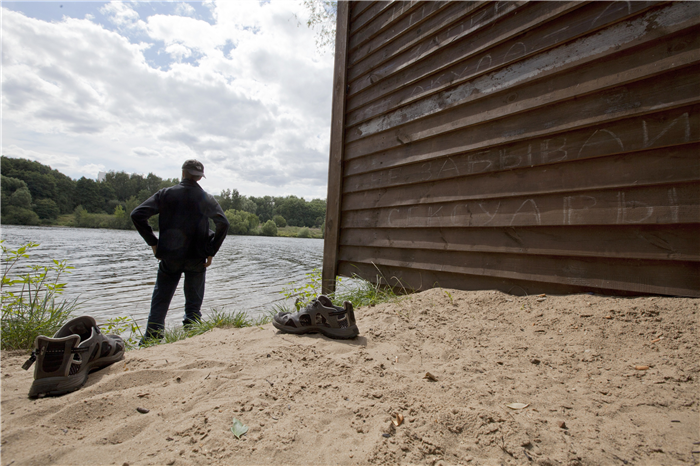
pixel 115 269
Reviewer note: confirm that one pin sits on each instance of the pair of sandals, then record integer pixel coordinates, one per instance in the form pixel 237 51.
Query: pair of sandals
pixel 320 315
pixel 78 348
pixel 64 361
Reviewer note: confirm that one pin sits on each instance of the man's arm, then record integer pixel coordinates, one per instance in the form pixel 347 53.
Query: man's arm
pixel 221 223
pixel 140 216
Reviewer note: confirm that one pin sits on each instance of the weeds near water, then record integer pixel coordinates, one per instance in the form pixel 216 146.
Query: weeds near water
pixel 29 301
pixel 449 295
pixel 357 290
pixel 218 318
pixel 120 326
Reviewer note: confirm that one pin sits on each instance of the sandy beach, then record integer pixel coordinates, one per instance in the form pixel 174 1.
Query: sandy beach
pixel 595 381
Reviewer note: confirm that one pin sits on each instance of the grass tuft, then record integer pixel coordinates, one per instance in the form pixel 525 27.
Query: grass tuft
pixel 357 290
pixel 218 318
pixel 30 300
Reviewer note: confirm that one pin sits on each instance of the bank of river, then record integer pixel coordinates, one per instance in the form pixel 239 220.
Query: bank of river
pixel 115 270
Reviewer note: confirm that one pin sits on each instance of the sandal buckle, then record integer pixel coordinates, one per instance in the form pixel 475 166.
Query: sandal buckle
pixel 28 363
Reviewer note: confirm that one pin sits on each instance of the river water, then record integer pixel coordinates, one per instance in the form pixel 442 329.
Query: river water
pixel 115 270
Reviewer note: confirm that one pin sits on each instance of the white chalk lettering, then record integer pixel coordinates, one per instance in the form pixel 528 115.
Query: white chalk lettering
pixel 572 204
pixel 627 209
pixel 552 34
pixel 475 160
pixel 686 130
pixel 478 66
pixel 545 151
pixel 425 168
pixel 431 215
pixel 673 201
pixel 388 220
pixel 415 89
pixel 453 167
pixel 629 10
pixel 517 53
pixel 611 136
pixel 489 214
pixel 475 20
pixel 512 160
pixel 534 211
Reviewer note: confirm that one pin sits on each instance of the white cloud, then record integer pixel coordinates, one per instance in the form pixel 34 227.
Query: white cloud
pixel 145 152
pixel 61 162
pixel 184 9
pixel 257 116
pixel 122 15
pixel 178 51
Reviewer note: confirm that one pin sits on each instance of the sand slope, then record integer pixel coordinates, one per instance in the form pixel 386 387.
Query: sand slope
pixel 312 400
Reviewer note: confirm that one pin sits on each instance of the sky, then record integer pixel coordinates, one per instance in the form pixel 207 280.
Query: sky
pixel 143 86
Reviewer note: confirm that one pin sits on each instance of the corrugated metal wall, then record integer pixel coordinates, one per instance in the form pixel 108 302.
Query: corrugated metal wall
pixel 523 146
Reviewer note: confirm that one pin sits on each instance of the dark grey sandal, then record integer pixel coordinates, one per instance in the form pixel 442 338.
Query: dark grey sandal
pixel 64 361
pixel 320 316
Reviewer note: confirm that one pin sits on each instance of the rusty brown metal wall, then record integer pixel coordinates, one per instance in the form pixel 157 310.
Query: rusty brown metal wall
pixel 523 146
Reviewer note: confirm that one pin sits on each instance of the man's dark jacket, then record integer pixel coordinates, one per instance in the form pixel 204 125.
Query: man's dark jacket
pixel 185 210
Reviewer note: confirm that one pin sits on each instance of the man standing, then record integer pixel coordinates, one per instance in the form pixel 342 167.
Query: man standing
pixel 186 243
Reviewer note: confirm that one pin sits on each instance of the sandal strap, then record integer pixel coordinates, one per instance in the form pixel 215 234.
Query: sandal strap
pixel 28 363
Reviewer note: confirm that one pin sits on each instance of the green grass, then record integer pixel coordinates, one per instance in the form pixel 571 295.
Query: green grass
pixel 31 304
pixel 358 291
pixel 293 232
pixel 366 293
pixel 23 323
pixel 217 319
pixel 65 220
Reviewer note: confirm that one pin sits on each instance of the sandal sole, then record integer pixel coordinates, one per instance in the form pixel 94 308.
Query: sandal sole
pixel 338 334
pixel 56 386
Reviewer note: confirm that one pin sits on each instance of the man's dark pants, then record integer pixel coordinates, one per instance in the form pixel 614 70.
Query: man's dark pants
pixel 169 273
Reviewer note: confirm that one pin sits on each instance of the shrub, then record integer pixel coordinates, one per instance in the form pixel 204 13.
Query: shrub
pixel 279 221
pixel 13 215
pixel 83 219
pixel 29 306
pixel 241 222
pixel 21 198
pixel 46 209
pixel 269 229
pixel 304 233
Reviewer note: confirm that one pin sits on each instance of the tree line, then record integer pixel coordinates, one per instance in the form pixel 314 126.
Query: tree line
pixel 35 194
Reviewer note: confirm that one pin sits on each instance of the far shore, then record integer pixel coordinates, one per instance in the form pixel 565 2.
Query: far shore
pixel 66 221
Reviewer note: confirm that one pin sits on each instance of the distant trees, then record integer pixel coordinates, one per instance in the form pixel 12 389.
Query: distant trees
pixel 33 193
pixel 87 194
pixel 266 207
pixel 288 210
pixel 279 221
pixel 269 229
pixel 241 222
pixel 42 181
pixel 46 209
pixel 16 202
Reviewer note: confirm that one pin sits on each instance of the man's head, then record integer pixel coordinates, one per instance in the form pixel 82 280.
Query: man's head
pixel 192 170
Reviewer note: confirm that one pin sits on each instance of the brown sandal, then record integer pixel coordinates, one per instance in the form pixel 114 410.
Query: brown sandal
pixel 320 316
pixel 64 361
